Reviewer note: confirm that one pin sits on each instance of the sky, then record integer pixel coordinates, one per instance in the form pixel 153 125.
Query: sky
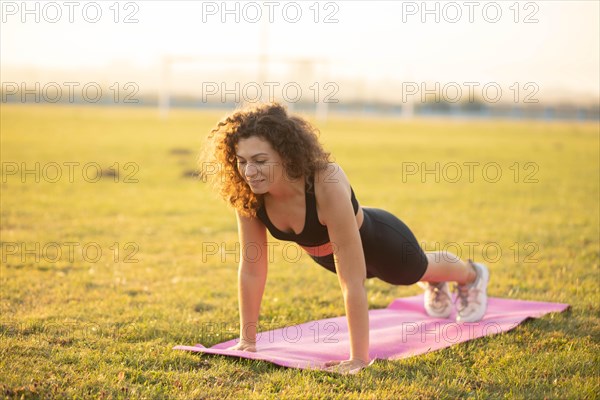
pixel 553 44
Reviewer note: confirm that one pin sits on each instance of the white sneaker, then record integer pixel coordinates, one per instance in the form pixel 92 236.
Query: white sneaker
pixel 438 300
pixel 472 298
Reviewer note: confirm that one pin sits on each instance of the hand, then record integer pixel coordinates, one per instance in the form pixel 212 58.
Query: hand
pixel 346 367
pixel 244 345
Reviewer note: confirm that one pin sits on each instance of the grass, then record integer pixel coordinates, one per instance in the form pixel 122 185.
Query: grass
pixel 86 326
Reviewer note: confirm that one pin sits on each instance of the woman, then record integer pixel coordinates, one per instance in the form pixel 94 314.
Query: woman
pixel 276 175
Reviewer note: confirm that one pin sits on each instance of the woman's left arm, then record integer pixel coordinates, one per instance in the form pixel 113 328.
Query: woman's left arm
pixel 338 214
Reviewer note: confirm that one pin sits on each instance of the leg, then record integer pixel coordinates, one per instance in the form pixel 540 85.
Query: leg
pixel 444 266
pixel 393 255
pixel 472 279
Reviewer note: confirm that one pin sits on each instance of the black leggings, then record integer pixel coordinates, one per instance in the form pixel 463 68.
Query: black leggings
pixel 392 253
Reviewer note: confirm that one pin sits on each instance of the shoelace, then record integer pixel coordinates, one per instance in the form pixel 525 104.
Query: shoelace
pixel 438 293
pixel 463 295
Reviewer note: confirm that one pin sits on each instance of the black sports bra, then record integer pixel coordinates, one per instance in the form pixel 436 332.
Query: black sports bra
pixel 314 233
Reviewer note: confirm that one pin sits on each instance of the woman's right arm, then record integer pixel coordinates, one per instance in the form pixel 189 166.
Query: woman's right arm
pixel 252 276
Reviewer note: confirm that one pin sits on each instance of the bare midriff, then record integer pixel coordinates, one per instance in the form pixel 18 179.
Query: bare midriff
pixel 319 251
pixel 327 248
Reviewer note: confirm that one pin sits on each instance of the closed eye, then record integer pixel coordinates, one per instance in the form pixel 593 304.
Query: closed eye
pixel 261 162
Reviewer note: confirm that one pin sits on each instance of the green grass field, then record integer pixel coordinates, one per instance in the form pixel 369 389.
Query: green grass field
pixel 79 324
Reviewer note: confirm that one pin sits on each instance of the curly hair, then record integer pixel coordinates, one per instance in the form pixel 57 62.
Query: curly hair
pixel 294 138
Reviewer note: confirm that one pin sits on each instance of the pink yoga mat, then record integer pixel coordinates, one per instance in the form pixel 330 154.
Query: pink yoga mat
pixel 401 330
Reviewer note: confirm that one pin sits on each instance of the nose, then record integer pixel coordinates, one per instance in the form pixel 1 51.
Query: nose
pixel 251 170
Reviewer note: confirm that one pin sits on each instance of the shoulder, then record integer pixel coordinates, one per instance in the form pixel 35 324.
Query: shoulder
pixel 333 173
pixel 331 185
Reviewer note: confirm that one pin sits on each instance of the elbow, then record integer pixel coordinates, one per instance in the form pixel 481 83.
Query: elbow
pixel 351 269
pixel 253 269
pixel 353 286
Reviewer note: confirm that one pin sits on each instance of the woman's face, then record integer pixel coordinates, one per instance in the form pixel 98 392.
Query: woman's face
pixel 259 164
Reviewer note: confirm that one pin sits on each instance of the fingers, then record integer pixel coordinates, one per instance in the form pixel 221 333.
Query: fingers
pixel 345 367
pixel 342 369
pixel 243 347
